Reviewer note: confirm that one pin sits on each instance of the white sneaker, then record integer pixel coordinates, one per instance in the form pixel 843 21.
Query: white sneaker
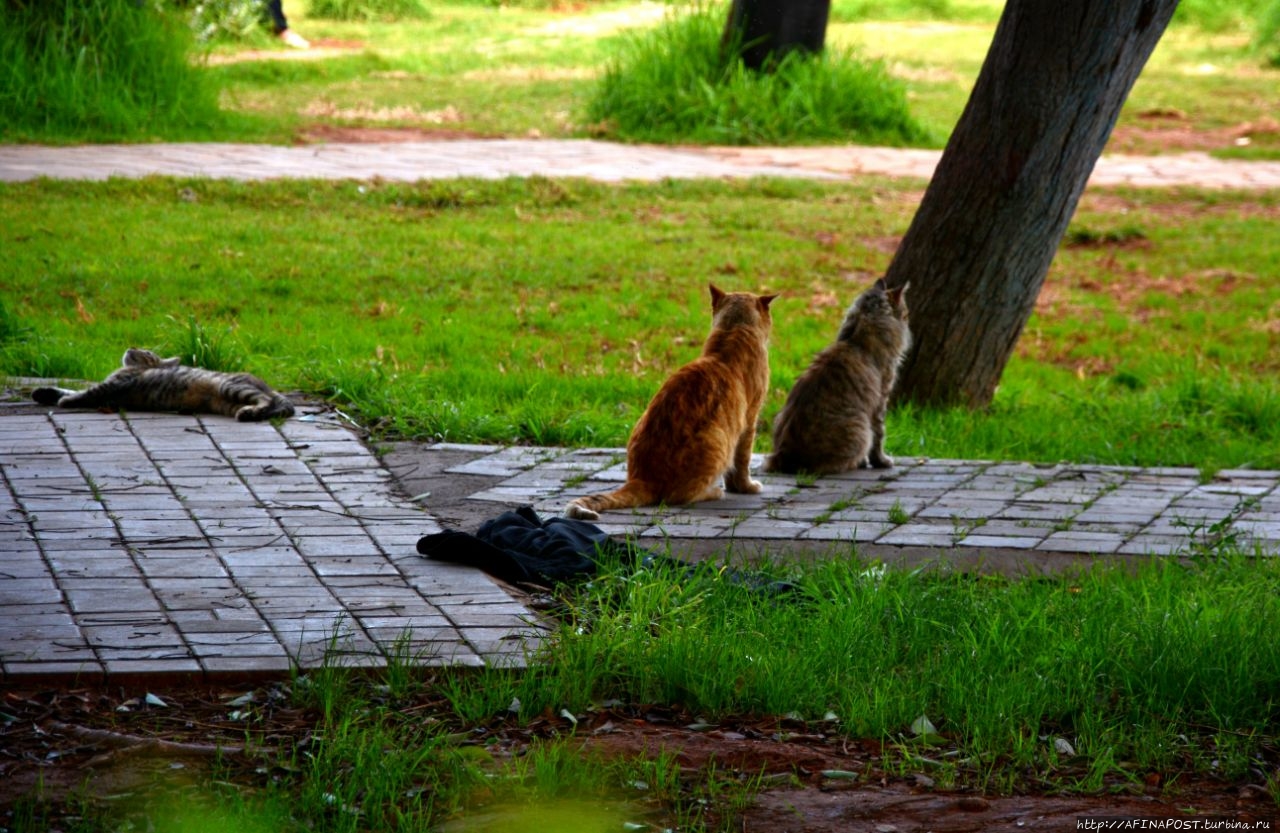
pixel 292 38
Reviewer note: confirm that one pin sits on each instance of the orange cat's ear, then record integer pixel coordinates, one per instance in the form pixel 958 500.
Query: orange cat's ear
pixel 716 295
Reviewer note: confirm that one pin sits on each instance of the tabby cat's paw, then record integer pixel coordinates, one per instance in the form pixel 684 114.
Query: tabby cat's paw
pixel 47 396
pixel 881 461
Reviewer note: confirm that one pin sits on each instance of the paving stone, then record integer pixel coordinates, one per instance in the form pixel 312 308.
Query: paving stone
pixel 1020 510
pixel 87 671
pixel 151 667
pixel 1109 515
pixel 964 508
pixel 1077 541
pixel 919 535
pixel 1155 545
pixel 1011 528
pixel 327 566
pixel 765 528
pixel 1124 530
pixel 861 533
pixel 1259 530
pixel 131 600
pixel 693 521
pixel 800 510
pixel 315 548
pixel 1006 542
pixel 235 666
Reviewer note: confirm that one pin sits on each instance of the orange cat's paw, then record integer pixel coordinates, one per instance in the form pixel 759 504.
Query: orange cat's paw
pixel 749 487
pixel 581 513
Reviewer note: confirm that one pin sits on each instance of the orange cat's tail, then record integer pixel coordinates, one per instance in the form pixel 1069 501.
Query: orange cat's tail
pixel 631 494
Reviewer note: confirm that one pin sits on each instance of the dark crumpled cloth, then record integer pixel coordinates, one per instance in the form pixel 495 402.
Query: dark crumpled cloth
pixel 520 547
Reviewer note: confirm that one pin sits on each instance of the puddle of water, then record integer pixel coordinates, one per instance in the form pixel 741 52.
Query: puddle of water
pixel 561 815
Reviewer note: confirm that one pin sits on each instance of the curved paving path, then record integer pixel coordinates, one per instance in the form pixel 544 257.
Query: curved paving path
pixel 163 546
pixel 496 158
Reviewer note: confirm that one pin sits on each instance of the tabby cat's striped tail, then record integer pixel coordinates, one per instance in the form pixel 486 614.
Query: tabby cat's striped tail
pixel 631 494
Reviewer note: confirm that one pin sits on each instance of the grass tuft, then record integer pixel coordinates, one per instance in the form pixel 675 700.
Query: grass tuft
pixel 102 68
pixel 199 346
pixel 674 84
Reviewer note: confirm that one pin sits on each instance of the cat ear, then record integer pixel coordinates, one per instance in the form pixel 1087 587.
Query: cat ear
pixel 138 357
pixel 172 361
pixel 766 300
pixel 716 295
pixel 895 294
pixel 879 284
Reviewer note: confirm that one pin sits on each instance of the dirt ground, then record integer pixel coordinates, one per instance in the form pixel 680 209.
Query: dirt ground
pixel 117 746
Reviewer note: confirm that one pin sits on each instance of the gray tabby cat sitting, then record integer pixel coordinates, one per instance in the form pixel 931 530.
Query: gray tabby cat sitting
pixel 833 420
pixel 147 382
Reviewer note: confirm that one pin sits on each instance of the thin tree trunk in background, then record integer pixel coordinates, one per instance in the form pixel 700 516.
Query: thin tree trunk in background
pixel 980 245
pixel 769 29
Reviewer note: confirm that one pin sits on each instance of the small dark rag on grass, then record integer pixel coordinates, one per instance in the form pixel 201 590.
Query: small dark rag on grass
pixel 521 548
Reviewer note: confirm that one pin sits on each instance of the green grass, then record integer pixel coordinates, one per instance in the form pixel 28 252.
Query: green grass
pixel 550 311
pixel 1107 659
pixel 101 69
pixel 675 84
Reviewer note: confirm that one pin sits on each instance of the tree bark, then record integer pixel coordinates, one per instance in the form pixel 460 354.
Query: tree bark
pixel 980 245
pixel 763 31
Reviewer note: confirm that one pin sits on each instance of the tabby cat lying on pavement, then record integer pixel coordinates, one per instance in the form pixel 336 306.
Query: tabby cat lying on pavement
pixel 147 382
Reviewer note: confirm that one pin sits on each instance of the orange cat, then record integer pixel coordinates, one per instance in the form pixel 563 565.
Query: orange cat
pixel 701 425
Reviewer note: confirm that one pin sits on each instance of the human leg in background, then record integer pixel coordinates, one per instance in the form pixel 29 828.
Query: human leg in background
pixel 280 25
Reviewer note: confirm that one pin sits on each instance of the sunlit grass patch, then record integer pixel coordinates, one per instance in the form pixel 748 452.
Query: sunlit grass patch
pixel 676 83
pixel 101 69
pixel 549 311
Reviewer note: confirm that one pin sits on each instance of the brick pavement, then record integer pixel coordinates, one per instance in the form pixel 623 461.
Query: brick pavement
pixel 180 547
pixel 167 546
pixel 1008 516
pixel 496 158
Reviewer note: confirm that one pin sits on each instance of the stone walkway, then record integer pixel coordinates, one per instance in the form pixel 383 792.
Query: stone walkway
pixel 1016 518
pixel 497 158
pixel 161 546
pixel 166 546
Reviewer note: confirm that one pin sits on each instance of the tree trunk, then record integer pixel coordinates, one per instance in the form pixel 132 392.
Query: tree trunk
pixel 765 30
pixel 980 245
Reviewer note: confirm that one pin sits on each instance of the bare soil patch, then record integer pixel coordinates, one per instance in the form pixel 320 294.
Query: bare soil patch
pixel 346 134
pixel 108 743
pixel 1172 131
